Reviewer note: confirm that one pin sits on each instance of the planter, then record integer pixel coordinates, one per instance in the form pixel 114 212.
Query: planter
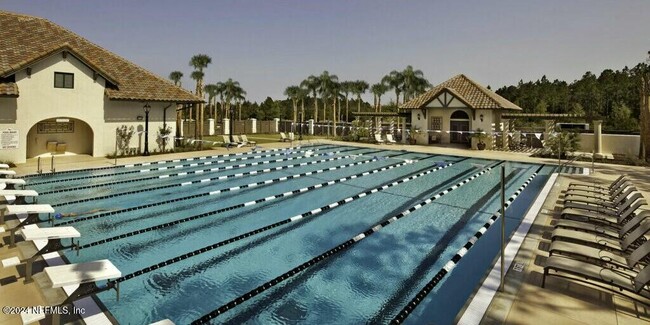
pixel 480 146
pixel 412 141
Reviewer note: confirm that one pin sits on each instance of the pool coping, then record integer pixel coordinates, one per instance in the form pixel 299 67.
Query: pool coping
pixel 478 306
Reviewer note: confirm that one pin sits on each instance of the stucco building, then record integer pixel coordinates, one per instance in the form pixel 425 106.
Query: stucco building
pixel 56 86
pixel 452 110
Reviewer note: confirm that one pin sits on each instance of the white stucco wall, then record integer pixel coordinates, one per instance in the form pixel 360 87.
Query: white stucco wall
pixel 39 101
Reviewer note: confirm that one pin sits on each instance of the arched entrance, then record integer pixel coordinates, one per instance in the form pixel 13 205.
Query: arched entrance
pixel 459 121
pixel 60 135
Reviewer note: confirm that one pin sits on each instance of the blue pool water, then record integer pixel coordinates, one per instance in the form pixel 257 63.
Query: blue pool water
pixel 370 281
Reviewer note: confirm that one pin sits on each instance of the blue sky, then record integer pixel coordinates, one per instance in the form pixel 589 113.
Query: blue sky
pixel 269 45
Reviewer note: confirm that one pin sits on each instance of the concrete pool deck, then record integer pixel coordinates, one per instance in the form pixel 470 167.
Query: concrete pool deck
pixel 524 301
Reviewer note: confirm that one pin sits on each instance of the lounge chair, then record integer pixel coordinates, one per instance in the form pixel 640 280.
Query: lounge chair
pixel 597 195
pixel 577 209
pixel 239 142
pixel 601 241
pixel 603 256
pixel 292 136
pixel 283 137
pixel 591 216
pixel 597 188
pixel 245 139
pixel 378 138
pixel 389 138
pixel 613 230
pixel 630 194
pixel 607 210
pixel 603 277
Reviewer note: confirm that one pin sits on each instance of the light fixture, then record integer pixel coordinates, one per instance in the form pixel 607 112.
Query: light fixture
pixel 146 108
pixel 29 72
pixel 418 116
pixel 139 117
pixel 481 117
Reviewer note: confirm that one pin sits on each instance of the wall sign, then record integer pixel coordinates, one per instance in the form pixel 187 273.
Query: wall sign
pixel 48 127
pixel 9 139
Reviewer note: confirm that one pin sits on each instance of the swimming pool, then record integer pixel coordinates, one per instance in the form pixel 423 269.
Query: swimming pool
pixel 318 234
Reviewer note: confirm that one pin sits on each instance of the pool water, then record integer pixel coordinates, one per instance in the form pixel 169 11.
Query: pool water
pixel 299 203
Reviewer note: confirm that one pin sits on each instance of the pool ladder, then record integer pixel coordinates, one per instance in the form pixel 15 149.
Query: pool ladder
pixel 39 168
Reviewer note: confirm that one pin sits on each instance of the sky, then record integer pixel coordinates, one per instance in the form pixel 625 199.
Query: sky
pixel 269 45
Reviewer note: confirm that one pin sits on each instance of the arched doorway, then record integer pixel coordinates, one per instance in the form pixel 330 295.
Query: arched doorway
pixel 61 135
pixel 459 121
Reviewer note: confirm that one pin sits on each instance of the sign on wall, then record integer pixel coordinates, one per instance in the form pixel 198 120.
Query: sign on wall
pixel 9 139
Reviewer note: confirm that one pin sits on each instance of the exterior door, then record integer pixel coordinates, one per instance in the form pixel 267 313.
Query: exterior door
pixel 459 126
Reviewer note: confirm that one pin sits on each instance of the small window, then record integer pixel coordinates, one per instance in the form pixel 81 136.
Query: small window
pixel 436 123
pixel 63 80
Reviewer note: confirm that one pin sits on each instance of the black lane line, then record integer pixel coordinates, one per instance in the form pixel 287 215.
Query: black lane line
pixel 324 209
pixel 408 308
pixel 344 246
pixel 219 178
pixel 193 172
pixel 167 161
pixel 246 235
pixel 382 316
pixel 209 162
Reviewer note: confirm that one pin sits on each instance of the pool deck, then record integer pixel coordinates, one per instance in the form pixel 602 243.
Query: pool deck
pixel 524 302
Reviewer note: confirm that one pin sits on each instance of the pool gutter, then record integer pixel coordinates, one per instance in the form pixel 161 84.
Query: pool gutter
pixel 479 304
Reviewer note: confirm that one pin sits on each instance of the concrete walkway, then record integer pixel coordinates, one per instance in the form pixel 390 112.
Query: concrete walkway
pixel 524 302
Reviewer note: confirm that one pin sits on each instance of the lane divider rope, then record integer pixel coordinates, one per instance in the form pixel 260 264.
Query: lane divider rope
pixel 451 264
pixel 199 171
pixel 237 301
pixel 288 220
pixel 201 195
pixel 194 182
pixel 168 161
pixel 209 162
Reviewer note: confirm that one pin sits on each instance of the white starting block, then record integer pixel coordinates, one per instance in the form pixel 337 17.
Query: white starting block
pixel 17 195
pixel 85 275
pixel 4 166
pixel 53 237
pixel 5 173
pixel 12 182
pixel 163 322
pixel 29 318
pixel 32 211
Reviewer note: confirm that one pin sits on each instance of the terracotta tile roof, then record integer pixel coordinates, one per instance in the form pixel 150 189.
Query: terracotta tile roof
pixel 468 91
pixel 27 39
pixel 8 89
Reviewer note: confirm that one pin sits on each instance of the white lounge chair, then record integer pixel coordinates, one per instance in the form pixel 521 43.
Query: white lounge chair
pixel 389 138
pixel 245 139
pixel 378 138
pixel 283 137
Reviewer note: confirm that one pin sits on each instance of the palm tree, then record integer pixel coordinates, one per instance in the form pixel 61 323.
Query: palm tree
pixel 394 80
pixel 414 82
pixel 176 77
pixel 312 84
pixel 293 92
pixel 326 87
pixel 221 87
pixel 232 89
pixel 240 96
pixel 378 90
pixel 199 62
pixel 346 89
pixel 211 90
pixel 360 87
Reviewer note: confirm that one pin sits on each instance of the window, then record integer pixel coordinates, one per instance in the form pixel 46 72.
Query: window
pixel 436 123
pixel 63 80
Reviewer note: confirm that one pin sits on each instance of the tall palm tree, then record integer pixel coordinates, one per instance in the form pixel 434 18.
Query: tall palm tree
pixel 194 109
pixel 232 89
pixel 326 87
pixel 414 82
pixel 378 90
pixel 240 96
pixel 221 87
pixel 394 80
pixel 293 92
pixel 360 87
pixel 302 95
pixel 212 91
pixel 346 89
pixel 199 62
pixel 312 83
pixel 176 77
